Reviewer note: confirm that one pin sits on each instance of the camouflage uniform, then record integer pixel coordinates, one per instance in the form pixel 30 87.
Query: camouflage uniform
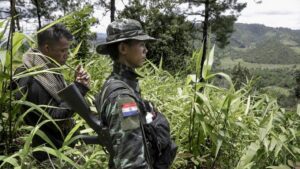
pixel 124 126
pixel 121 112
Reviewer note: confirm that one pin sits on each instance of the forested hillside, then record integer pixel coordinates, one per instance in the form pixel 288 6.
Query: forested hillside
pixel 269 56
pixel 256 43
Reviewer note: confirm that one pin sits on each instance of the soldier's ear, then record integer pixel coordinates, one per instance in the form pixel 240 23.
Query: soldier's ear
pixel 123 48
pixel 44 48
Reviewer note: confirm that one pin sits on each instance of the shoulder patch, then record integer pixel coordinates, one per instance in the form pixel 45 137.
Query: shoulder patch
pixel 129 109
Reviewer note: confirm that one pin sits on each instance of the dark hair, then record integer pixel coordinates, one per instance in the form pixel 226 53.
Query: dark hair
pixel 53 34
pixel 113 50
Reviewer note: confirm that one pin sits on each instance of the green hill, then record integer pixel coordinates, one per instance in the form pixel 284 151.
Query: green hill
pixel 256 43
pixel 271 55
pixel 269 51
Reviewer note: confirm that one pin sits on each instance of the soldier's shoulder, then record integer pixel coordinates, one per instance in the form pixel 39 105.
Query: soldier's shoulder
pixel 115 90
pixel 125 98
pixel 116 86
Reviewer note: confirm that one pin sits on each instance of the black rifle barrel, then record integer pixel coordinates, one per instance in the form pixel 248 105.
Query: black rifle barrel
pixel 72 96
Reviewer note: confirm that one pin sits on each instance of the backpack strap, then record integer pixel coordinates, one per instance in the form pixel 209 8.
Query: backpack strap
pixel 111 90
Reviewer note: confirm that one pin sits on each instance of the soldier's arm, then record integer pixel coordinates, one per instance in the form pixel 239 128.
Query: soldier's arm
pixel 124 124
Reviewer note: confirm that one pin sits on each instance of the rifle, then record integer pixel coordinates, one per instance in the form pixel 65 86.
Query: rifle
pixel 72 96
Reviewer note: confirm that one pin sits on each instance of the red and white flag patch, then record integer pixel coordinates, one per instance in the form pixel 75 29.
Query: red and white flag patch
pixel 129 109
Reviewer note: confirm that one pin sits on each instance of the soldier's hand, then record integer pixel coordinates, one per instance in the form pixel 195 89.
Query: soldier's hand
pixel 81 76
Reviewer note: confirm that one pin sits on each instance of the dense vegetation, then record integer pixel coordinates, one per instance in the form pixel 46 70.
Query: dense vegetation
pixel 268 52
pixel 227 121
pixel 220 127
pixel 270 55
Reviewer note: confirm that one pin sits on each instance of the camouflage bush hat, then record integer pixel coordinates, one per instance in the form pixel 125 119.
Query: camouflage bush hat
pixel 121 30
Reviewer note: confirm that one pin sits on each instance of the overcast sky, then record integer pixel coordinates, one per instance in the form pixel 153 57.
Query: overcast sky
pixel 274 13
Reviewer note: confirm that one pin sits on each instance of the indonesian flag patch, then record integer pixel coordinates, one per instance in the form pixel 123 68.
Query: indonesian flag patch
pixel 129 109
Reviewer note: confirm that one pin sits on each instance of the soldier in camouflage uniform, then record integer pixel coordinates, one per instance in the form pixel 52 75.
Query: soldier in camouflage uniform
pixel 125 43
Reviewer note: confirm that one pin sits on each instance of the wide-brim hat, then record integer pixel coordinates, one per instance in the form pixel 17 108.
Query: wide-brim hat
pixel 121 30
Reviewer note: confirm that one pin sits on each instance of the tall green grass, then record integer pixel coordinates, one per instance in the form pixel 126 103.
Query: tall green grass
pixel 213 126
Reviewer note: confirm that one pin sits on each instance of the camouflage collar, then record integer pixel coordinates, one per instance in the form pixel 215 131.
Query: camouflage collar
pixel 128 75
pixel 125 71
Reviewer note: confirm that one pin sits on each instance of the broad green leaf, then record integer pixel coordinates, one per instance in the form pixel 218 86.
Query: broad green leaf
pixel 265 127
pixel 5 29
pixel 4 76
pixel 11 160
pixel 28 139
pixel 71 133
pixel 205 100
pixel 57 154
pixel 258 104
pixel 227 77
pixel 35 71
pixel 72 139
pixel 296 150
pixel 38 108
pixel 219 143
pixel 41 134
pixel 293 132
pixel 153 65
pixel 161 64
pixel 90 63
pixel 226 106
pixel 194 161
pixel 290 163
pixel 197 57
pixel 266 143
pixel 75 51
pixel 287 148
pixel 18 39
pixel 190 78
pixel 278 149
pixel 2 23
pixel 208 63
pixel 30 40
pixel 53 23
pixel 76 31
pixel 203 125
pixel 3 54
pixel 269 106
pixel 248 156
pixel 280 144
pixel 272 144
pixel 248 105
pixel 206 85
pixel 279 167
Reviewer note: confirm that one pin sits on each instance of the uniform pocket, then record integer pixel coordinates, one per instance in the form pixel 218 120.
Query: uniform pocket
pixel 130 123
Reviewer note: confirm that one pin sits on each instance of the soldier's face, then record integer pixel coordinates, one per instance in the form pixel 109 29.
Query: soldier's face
pixel 58 51
pixel 133 54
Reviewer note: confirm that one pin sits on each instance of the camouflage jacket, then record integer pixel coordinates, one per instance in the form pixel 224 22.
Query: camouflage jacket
pixel 120 113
